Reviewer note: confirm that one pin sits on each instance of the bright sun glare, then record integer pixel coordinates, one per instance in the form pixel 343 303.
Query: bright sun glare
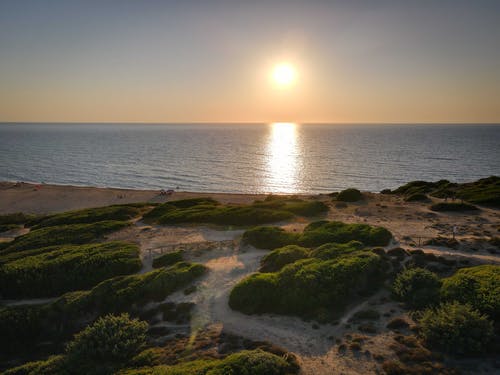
pixel 284 75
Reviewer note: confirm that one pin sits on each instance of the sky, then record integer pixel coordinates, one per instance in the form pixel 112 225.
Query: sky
pixel 211 61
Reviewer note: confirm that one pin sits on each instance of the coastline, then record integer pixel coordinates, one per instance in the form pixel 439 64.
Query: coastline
pixel 51 198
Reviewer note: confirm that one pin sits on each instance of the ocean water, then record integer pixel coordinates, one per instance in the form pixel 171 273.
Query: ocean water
pixel 247 158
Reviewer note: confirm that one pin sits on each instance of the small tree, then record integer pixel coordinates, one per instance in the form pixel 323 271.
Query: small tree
pixel 456 329
pixel 417 287
pixel 107 344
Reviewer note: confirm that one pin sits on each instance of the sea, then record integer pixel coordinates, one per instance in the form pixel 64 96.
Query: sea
pixel 247 158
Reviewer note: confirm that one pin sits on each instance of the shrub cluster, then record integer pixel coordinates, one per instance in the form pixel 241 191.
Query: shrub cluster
pixel 89 215
pixel 63 234
pixel 453 206
pixel 59 269
pixel 478 286
pixel 316 234
pixel 485 191
pixel 101 348
pixel 206 210
pixel 278 258
pixel 456 328
pixel 417 287
pixel 168 259
pixel 349 195
pixel 13 221
pixel 311 288
pixel 23 326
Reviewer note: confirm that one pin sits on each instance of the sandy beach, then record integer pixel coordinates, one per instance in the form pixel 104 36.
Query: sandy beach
pixel 46 198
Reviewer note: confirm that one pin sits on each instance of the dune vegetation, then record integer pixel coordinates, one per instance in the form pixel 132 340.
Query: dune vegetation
pixel 316 234
pixel 59 269
pixel 62 234
pixel 485 191
pixel 478 286
pixel 209 211
pixel 318 286
pixel 453 206
pixel 89 215
pixel 168 259
pixel 14 221
pixel 25 326
pixel 349 195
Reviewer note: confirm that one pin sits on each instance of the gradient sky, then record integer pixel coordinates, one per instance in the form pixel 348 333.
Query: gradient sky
pixel 189 61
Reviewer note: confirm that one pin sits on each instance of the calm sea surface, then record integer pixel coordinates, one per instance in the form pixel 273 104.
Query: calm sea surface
pixel 247 158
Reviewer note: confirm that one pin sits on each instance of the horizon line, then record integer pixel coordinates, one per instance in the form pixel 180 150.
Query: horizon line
pixel 254 122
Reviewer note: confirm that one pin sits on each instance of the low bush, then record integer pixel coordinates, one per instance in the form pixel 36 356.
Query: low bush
pixel 24 326
pixel 60 269
pixel 168 259
pixel 207 210
pixel 453 206
pixel 478 286
pixel 7 227
pixel 89 215
pixel 278 258
pixel 63 234
pixel 310 288
pixel 13 221
pixel 106 345
pixel 485 191
pixel 416 197
pixel 15 218
pixel 317 234
pixel 101 348
pixel 246 362
pixel 457 329
pixel 417 287
pixel 269 237
pixel 349 195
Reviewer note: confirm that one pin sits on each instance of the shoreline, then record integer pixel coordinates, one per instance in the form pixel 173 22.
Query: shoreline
pixel 36 198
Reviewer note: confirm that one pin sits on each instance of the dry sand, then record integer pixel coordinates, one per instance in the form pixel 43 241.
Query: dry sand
pixel 319 348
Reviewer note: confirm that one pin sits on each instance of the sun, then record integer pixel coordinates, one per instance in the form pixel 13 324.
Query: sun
pixel 284 75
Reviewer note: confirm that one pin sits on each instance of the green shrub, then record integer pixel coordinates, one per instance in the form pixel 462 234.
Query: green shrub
pixel 89 215
pixel 207 210
pixel 453 206
pixel 456 329
pixel 269 237
pixel 478 286
pixel 317 234
pixel 61 269
pixel 107 344
pixel 311 288
pixel 485 191
pixel 6 227
pixel 23 326
pixel 335 250
pixel 417 287
pixel 321 232
pixel 416 197
pixel 350 195
pixel 278 258
pixel 15 218
pixel 63 234
pixel 54 365
pixel 13 221
pixel 168 259
pixel 246 362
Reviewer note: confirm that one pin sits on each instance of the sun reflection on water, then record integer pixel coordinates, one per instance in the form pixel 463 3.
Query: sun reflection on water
pixel 282 158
